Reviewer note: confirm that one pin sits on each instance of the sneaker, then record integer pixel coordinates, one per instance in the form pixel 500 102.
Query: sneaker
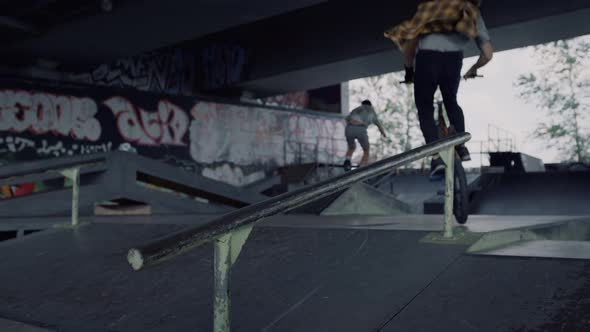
pixel 437 167
pixel 347 165
pixel 463 153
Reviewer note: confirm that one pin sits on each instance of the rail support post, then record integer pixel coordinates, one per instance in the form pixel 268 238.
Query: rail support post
pixel 448 156
pixel 74 175
pixel 227 248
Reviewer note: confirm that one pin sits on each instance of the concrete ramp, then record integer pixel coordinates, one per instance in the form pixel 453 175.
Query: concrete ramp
pixel 566 239
pixel 549 193
pixel 362 199
pixel 340 279
pixel 545 249
pixel 119 176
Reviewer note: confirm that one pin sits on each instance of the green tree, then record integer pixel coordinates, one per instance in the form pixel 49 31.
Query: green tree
pixel 560 86
pixel 394 103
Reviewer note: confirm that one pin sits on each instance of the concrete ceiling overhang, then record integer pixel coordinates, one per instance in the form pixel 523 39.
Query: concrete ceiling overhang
pixel 136 26
pixel 292 45
pixel 505 37
pixel 339 41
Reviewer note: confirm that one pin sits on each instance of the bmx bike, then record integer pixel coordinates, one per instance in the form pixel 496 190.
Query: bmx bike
pixel 460 191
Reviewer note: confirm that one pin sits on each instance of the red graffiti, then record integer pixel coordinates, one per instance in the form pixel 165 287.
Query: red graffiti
pixel 167 125
pixel 23 189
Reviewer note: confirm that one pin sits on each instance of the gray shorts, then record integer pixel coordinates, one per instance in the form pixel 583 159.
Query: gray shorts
pixel 359 133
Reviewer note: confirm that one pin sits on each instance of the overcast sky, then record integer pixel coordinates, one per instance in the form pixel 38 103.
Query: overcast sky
pixel 493 100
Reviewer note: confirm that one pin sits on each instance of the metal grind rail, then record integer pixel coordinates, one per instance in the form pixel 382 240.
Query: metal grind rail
pixel 230 232
pixel 46 169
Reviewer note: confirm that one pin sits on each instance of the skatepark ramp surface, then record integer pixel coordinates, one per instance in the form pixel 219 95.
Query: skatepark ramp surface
pixel 344 273
pixel 14 326
pixel 119 177
pixel 550 193
pixel 295 273
pixel 230 232
pixel 563 239
pixel 362 199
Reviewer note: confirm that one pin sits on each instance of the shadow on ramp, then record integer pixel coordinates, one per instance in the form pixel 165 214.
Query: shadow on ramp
pixel 14 326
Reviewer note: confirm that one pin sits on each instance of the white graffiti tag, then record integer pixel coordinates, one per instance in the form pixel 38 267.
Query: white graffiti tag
pixel 16 144
pixel 42 113
pixel 167 125
pixel 56 149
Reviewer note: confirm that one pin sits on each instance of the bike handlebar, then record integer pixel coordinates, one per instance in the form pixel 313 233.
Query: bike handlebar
pixel 470 77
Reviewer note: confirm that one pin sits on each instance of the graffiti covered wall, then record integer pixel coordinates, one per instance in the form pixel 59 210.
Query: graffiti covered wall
pixel 172 71
pixel 165 71
pixel 221 66
pixel 218 140
pixel 296 100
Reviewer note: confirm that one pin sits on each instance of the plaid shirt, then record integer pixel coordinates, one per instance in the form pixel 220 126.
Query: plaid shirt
pixel 436 16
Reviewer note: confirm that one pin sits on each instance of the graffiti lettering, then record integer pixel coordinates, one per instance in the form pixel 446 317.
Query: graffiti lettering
pixel 41 113
pixel 35 124
pixel 232 175
pixel 162 71
pixel 167 125
pixel 16 144
pixel 56 149
pixel 23 143
pixel 96 148
pixel 223 65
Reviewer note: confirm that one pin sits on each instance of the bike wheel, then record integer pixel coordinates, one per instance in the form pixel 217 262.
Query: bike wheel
pixel 461 197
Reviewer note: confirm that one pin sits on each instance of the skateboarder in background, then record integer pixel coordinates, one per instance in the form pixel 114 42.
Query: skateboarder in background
pixel 356 129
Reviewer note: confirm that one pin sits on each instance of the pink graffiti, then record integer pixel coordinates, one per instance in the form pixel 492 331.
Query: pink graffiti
pixel 167 125
pixel 41 113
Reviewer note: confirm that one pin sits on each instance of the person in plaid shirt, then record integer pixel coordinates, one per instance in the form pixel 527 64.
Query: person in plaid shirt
pixel 433 42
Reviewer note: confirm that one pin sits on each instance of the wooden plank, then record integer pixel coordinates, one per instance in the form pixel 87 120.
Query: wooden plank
pixel 126 208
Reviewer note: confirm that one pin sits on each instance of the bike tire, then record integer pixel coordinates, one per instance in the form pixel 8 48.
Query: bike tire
pixel 461 196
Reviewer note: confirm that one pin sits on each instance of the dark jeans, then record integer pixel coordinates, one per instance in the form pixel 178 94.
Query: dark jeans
pixel 433 70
